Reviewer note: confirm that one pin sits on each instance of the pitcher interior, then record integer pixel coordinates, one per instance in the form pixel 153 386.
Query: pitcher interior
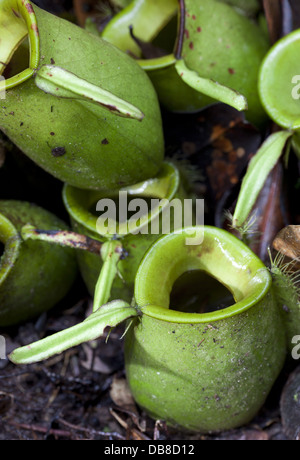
pixel 219 271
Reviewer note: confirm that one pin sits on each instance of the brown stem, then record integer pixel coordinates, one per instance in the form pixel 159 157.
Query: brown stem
pixel 63 238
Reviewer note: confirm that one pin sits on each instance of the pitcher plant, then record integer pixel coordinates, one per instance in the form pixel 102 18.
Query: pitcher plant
pixel 205 366
pixel 214 55
pixel 75 104
pixel 34 276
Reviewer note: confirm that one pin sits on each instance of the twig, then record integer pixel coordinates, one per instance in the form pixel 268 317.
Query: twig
pixel 41 429
pixel 63 238
pixel 91 431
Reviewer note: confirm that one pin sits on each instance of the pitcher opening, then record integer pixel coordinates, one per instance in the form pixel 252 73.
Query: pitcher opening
pixel 19 35
pixel 197 292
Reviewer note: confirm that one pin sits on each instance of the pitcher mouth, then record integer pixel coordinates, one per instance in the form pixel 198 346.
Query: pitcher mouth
pixel 18 22
pixel 221 255
pixel 168 22
pixel 279 82
pixel 79 203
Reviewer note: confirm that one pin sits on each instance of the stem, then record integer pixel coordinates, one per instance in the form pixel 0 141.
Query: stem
pixel 111 253
pixel 180 35
pixel 91 328
pixel 62 238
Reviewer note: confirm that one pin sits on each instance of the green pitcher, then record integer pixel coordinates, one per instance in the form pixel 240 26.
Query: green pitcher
pixel 198 369
pixel 204 365
pixel 135 236
pixel 279 85
pixel 214 56
pixel 34 276
pixel 75 104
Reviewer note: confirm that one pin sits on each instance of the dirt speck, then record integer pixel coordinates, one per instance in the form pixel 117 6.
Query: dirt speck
pixel 58 152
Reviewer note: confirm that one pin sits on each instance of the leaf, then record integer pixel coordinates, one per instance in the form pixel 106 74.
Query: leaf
pixel 273 14
pixel 121 395
pixel 62 83
pixel 287 242
pixel 211 88
pixel 269 213
pixel 109 315
pixel 259 168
